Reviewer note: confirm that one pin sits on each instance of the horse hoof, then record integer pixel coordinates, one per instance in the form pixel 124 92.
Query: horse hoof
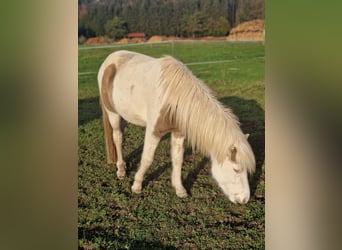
pixel 136 190
pixel 182 194
pixel 121 174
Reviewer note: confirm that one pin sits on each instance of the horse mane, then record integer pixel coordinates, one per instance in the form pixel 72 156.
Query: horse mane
pixel 209 127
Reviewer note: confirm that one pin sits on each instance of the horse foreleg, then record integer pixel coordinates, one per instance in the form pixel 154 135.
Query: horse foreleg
pixel 150 145
pixel 177 152
pixel 114 120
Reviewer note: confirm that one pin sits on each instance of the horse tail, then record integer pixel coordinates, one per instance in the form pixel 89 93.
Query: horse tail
pixel 106 101
pixel 107 87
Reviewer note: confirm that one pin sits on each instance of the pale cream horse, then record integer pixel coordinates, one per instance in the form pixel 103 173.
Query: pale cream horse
pixel 164 96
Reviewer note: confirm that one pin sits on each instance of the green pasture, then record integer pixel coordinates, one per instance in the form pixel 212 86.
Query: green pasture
pixel 110 216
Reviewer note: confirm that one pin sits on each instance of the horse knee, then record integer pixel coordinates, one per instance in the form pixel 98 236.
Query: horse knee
pixel 114 120
pixel 117 135
pixel 146 161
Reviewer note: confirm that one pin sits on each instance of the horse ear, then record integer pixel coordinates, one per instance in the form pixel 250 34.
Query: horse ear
pixel 233 153
pixel 247 136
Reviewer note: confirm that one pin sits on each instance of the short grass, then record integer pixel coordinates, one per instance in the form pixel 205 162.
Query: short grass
pixel 111 217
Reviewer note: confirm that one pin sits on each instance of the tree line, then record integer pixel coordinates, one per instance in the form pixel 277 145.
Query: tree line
pixel 181 18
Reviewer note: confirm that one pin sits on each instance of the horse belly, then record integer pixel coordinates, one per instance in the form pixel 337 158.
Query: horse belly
pixel 134 90
pixel 131 99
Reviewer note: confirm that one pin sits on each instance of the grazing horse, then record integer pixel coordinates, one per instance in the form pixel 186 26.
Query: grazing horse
pixel 163 95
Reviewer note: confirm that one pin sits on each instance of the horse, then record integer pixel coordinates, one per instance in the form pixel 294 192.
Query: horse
pixel 164 96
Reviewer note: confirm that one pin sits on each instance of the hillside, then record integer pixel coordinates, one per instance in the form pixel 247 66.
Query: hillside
pixel 179 18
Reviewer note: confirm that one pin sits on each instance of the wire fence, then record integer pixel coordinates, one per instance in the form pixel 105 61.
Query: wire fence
pixel 172 48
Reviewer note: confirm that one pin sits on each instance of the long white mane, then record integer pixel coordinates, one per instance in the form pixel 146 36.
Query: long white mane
pixel 209 127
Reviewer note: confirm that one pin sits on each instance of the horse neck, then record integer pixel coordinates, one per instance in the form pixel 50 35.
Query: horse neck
pixel 209 127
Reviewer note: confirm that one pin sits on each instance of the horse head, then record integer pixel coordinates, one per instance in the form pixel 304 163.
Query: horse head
pixel 231 174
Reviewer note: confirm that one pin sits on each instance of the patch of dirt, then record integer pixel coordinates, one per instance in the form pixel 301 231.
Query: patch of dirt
pixel 123 41
pixel 136 40
pixel 154 39
pixel 212 38
pixel 133 40
pixel 95 40
pixel 248 31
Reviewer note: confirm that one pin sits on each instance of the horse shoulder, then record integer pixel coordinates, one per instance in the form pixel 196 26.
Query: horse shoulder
pixel 164 124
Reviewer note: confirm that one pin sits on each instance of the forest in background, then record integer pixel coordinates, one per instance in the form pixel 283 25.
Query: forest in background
pixel 181 18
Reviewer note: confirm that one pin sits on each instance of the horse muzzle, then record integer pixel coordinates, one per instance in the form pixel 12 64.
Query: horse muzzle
pixel 240 199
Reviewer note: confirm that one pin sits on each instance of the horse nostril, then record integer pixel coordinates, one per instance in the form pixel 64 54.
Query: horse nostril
pixel 242 200
pixel 239 199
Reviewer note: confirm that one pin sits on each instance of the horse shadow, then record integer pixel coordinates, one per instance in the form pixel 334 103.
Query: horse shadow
pixel 133 161
pixel 88 109
pixel 192 176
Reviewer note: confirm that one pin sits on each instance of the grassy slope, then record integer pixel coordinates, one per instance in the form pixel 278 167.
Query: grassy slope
pixel 110 216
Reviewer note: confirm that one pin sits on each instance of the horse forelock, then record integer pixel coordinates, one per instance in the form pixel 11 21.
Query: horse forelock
pixel 245 155
pixel 208 126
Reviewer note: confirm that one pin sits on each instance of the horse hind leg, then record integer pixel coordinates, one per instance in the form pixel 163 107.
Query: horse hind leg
pixel 177 152
pixel 111 121
pixel 116 135
pixel 109 142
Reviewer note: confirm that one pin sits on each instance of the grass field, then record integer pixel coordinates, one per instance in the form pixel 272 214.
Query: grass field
pixel 111 217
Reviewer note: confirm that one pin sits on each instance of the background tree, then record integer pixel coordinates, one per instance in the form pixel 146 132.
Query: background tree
pixel 232 7
pixel 249 10
pixel 195 25
pixel 223 26
pixel 189 18
pixel 217 27
pixel 116 28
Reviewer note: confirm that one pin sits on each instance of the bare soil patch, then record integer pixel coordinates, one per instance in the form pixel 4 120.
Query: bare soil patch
pixel 95 40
